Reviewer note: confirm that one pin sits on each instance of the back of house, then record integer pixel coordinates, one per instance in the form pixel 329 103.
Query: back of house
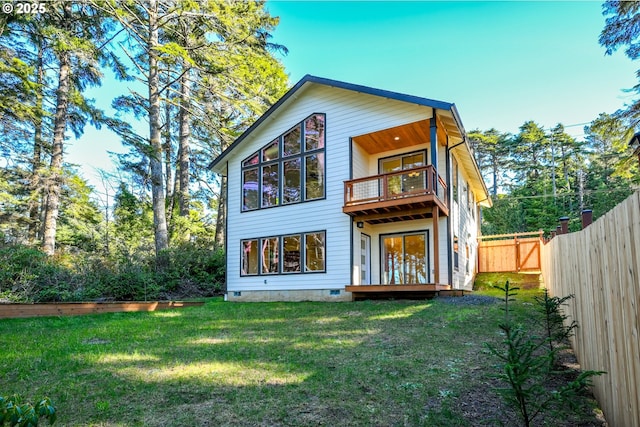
pixel 341 191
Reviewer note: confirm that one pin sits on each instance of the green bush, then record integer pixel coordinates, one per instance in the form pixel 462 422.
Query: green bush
pixel 28 275
pixel 129 283
pixel 189 265
pixel 14 412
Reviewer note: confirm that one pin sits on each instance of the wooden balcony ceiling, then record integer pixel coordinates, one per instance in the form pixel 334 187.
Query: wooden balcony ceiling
pixel 394 138
pixel 403 209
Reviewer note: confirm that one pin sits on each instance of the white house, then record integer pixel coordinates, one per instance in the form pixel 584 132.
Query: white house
pixel 341 191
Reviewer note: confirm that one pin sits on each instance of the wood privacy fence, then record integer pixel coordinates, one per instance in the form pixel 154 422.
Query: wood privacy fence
pixel 510 253
pixel 600 265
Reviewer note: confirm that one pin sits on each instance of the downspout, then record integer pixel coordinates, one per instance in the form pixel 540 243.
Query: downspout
pixel 226 238
pixel 449 222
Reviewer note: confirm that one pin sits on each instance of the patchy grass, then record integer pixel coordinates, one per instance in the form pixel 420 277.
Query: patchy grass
pixel 383 363
pixel 486 281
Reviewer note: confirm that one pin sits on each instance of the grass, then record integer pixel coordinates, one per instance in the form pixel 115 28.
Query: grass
pixel 382 363
pixel 486 281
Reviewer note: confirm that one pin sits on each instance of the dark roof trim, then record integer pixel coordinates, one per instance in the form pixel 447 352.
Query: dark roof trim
pixel 338 84
pixel 379 92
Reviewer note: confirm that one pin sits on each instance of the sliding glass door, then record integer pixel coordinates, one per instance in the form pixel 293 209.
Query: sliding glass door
pixel 405 258
pixel 405 183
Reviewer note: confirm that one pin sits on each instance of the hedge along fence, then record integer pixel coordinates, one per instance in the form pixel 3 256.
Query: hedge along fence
pixel 600 265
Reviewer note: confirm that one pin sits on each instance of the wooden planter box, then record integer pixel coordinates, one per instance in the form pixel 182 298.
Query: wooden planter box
pixel 77 308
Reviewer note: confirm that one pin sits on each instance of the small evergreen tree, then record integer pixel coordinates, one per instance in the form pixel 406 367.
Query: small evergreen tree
pixel 528 367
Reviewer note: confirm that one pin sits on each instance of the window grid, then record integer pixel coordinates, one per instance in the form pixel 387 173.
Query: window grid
pixel 277 182
pixel 293 253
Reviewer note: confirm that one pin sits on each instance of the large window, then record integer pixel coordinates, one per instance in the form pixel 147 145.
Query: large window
pixel 288 254
pixel 405 259
pixel 290 169
pixel 406 183
pixel 249 257
pixel 269 255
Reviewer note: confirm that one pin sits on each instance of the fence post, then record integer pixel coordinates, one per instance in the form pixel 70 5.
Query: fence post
pixel 564 224
pixel 587 218
pixel 516 246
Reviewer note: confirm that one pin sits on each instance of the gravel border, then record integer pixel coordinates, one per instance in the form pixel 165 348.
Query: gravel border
pixel 469 300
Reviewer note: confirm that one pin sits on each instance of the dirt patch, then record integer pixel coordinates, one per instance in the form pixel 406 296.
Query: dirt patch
pixel 482 404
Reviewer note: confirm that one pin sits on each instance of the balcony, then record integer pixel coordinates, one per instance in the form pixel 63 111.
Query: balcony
pixel 396 196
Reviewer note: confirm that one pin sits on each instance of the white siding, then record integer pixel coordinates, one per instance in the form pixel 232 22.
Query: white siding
pixel 465 226
pixel 443 229
pixel 348 114
pixel 375 231
pixel 367 165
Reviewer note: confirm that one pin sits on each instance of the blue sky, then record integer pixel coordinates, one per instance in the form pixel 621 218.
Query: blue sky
pixel 501 62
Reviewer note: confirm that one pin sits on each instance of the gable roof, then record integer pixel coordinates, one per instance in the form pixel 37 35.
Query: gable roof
pixel 451 119
pixel 341 85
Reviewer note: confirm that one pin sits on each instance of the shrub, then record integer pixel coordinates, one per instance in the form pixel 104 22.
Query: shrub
pixel 557 328
pixel 15 413
pixel 28 275
pixel 528 363
pixel 199 268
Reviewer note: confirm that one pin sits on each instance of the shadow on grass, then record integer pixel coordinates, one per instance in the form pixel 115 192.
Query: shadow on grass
pixel 358 364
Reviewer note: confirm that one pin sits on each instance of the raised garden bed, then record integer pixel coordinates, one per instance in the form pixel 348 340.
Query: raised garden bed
pixel 76 308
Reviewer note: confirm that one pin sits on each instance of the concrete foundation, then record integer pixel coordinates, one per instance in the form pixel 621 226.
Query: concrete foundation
pixel 326 295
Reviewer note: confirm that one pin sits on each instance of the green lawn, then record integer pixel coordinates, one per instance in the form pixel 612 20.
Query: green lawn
pixel 382 363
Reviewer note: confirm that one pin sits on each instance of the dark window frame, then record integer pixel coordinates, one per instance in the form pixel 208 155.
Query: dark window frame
pixel 280 237
pixel 426 232
pixel 242 245
pixel 280 160
pixel 424 151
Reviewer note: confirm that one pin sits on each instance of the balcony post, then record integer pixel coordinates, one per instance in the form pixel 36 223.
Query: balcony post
pixel 347 193
pixel 433 139
pixel 385 187
pixel 436 246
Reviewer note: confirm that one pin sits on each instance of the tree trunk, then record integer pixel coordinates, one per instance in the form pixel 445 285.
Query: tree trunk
pixel 168 163
pixel 495 165
pixel 221 221
pixel 36 161
pixel 54 181
pixel 155 160
pixel 184 151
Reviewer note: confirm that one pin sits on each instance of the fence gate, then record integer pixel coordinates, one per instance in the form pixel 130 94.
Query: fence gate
pixel 509 252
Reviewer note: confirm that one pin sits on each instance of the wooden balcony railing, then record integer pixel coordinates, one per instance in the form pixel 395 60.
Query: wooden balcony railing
pixel 400 186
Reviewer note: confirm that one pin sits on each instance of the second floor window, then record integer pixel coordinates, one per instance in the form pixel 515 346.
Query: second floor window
pixel 290 169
